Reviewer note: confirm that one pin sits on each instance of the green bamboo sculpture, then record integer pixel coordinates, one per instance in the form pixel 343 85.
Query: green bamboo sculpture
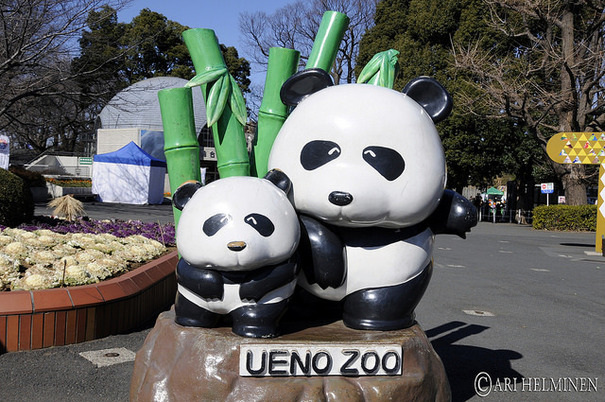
pixel 381 70
pixel 327 40
pixel 181 148
pixel 225 106
pixel 272 113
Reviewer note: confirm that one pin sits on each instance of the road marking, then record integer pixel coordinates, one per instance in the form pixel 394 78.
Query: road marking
pixel 505 252
pixel 455 266
pixel 108 357
pixel 540 269
pixel 444 248
pixel 479 313
pixel 503 241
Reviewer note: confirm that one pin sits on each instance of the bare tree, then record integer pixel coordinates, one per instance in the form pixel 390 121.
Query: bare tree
pixel 294 26
pixel 551 79
pixel 38 39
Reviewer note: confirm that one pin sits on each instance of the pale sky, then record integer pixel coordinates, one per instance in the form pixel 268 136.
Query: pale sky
pixel 222 16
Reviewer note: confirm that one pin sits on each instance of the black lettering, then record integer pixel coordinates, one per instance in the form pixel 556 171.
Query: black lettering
pixel 304 368
pixel 274 362
pixel 364 361
pixel 345 370
pixel 250 358
pixel 395 368
pixel 315 362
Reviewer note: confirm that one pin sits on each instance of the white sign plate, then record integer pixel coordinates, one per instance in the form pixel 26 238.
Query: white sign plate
pixel 290 360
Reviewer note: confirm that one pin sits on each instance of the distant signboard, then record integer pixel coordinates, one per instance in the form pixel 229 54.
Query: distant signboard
pixel 85 161
pixel 547 188
pixel 209 154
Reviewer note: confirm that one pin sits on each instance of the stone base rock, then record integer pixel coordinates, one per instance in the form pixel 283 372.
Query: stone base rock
pixel 185 364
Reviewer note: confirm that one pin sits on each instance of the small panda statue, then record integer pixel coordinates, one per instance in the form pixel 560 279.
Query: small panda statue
pixel 368 175
pixel 237 239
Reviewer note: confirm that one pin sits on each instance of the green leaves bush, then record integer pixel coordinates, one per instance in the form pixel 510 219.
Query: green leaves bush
pixel 16 201
pixel 565 217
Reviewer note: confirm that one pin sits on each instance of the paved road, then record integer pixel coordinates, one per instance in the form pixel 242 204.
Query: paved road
pixel 518 304
pixel 104 210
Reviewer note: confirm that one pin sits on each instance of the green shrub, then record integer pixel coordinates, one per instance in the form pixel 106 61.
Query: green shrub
pixel 565 217
pixel 16 201
pixel 32 179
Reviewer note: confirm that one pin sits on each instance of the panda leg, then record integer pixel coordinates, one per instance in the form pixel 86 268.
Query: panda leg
pixel 388 308
pixel 190 314
pixel 258 320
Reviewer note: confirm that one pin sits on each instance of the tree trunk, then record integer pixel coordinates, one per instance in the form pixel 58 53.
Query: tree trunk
pixel 571 178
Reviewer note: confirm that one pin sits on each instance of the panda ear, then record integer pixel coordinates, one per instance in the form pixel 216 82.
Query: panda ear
pixel 183 194
pixel 431 95
pixel 280 179
pixel 302 84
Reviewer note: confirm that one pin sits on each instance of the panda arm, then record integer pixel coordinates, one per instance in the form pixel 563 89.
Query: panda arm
pixel 205 283
pixel 323 258
pixel 454 215
pixel 267 280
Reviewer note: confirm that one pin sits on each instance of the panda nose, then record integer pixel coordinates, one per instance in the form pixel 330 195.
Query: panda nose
pixel 340 198
pixel 236 245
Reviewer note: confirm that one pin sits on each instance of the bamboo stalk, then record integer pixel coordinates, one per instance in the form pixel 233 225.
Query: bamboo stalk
pixel 223 102
pixel 327 40
pixel 181 148
pixel 272 114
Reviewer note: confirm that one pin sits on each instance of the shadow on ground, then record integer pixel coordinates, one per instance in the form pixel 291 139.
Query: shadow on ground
pixel 463 363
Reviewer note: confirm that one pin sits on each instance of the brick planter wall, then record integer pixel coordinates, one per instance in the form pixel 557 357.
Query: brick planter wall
pixel 55 317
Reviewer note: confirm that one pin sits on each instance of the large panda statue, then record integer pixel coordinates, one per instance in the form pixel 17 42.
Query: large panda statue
pixel 237 239
pixel 368 176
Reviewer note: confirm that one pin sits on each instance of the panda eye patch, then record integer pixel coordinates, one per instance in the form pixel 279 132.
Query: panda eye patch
pixel 388 162
pixel 317 153
pixel 261 224
pixel 215 223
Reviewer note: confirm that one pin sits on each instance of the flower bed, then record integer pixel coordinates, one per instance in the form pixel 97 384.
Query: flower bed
pixel 50 253
pixel 53 253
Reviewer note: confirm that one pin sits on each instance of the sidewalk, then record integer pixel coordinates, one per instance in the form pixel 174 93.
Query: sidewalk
pixel 510 301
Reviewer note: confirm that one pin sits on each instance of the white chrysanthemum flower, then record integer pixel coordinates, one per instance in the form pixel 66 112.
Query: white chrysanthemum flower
pixel 108 237
pixel 66 261
pixel 4 240
pixel 36 281
pixel 78 275
pixel 15 249
pixel 46 232
pixel 105 248
pixel 65 249
pixel 48 241
pixel 97 270
pixel 42 257
pixel 84 257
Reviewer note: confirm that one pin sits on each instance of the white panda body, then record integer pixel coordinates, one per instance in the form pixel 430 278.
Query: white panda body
pixel 332 143
pixel 237 238
pixel 231 299
pixel 379 266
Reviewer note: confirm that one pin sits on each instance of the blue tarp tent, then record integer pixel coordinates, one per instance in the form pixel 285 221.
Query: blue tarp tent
pixel 129 176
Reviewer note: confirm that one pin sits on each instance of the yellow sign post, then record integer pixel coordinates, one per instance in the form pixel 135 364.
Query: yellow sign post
pixel 584 149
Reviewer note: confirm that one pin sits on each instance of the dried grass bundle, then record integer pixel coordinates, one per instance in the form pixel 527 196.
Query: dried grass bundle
pixel 67 207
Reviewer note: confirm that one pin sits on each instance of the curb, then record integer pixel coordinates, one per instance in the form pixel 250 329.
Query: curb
pixel 55 317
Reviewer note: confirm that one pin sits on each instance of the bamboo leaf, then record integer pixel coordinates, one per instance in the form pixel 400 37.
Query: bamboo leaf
pixel 381 69
pixel 383 80
pixel 370 69
pixel 217 99
pixel 207 76
pixel 237 103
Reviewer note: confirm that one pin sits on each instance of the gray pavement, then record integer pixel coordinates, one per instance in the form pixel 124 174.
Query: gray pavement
pixel 526 307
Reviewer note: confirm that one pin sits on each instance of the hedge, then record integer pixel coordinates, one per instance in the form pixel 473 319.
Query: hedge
pixel 16 201
pixel 565 217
